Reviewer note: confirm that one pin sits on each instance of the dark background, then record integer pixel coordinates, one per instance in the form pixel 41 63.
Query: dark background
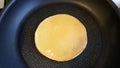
pixel 6 3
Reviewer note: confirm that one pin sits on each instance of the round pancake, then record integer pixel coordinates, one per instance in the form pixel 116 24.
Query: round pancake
pixel 61 37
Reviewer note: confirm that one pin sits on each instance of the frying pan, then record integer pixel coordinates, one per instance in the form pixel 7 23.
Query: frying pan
pixel 20 19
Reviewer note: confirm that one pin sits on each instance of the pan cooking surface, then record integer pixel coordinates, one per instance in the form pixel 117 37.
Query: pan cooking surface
pixel 35 60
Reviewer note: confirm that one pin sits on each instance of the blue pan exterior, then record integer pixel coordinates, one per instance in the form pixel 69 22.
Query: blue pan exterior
pixel 10 21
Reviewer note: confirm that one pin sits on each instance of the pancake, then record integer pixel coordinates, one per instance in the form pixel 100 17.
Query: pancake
pixel 61 37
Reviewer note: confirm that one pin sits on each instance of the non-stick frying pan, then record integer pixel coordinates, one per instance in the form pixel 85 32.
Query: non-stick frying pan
pixel 20 19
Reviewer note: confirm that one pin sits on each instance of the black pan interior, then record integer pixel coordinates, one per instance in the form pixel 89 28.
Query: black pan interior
pixel 92 55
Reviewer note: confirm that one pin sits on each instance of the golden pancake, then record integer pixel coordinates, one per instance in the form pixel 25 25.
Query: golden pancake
pixel 61 37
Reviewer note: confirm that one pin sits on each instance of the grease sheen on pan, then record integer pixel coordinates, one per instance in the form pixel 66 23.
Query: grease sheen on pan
pixel 61 37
